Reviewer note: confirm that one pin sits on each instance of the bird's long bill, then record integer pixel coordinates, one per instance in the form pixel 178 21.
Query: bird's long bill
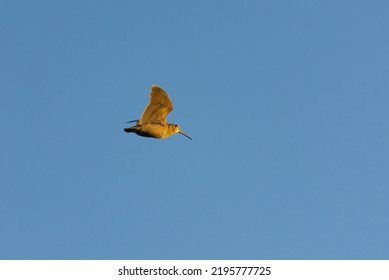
pixel 184 134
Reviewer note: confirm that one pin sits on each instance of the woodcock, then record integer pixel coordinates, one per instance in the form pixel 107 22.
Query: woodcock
pixel 153 120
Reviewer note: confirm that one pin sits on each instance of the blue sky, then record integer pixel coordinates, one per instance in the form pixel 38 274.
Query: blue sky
pixel 286 101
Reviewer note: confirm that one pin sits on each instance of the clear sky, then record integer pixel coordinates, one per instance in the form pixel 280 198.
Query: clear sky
pixel 287 103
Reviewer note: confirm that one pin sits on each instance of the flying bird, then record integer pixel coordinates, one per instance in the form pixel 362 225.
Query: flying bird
pixel 153 120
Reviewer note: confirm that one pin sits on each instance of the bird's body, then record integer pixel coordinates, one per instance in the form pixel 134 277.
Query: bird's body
pixel 153 130
pixel 153 121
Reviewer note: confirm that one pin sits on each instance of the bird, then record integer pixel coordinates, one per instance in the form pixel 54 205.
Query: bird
pixel 153 120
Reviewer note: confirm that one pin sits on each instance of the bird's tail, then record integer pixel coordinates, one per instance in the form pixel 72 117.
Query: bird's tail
pixel 129 129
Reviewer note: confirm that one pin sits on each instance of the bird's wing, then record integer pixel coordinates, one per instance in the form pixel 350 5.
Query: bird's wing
pixel 158 108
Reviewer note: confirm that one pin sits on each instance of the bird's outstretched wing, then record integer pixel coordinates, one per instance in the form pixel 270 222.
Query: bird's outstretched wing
pixel 158 108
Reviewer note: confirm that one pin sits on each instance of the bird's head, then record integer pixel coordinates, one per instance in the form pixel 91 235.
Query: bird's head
pixel 177 129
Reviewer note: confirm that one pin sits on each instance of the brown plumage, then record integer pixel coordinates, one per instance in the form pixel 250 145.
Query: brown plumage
pixel 153 120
